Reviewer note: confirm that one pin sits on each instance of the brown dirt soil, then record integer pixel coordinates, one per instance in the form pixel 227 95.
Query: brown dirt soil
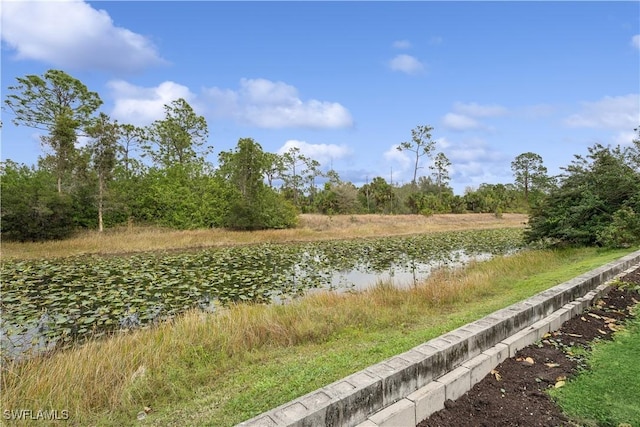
pixel 514 394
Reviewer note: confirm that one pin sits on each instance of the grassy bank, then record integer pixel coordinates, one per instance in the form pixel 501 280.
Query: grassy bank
pixel 311 228
pixel 608 394
pixel 221 369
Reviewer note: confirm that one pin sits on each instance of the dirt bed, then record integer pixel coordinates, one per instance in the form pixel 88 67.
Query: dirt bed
pixel 514 393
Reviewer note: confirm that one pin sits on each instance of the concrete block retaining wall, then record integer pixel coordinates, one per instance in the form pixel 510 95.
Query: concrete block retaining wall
pixel 408 387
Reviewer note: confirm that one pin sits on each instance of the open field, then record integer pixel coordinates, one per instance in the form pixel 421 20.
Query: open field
pixel 311 228
pixel 221 369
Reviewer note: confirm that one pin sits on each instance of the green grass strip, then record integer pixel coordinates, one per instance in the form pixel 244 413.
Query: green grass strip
pixel 608 393
pixel 223 369
pixel 271 377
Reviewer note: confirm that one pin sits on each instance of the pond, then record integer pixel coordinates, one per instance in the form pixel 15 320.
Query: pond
pixel 402 274
pixel 55 302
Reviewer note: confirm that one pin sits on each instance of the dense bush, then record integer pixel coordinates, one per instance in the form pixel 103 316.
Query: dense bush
pixel 252 204
pixel 595 202
pixel 181 197
pixel 623 231
pixel 32 209
pixel 267 210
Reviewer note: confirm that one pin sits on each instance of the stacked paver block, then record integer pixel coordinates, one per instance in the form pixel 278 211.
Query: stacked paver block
pixel 428 399
pixel 401 413
pixel 409 387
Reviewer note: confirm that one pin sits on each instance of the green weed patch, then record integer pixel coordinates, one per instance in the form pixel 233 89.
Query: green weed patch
pixel 608 393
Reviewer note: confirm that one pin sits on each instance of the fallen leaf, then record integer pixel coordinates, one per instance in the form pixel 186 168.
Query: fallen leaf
pixel 583 319
pixel 561 378
pixel 602 332
pixel 547 335
pixel 496 374
pixel 595 316
pixel 575 335
pixel 552 365
pixel 529 360
pixel 560 384
pixel 613 327
pixel 147 409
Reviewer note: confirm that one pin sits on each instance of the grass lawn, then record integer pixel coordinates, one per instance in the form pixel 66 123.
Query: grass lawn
pixel 608 393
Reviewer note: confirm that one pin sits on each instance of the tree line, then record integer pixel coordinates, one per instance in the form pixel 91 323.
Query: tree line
pixel 159 174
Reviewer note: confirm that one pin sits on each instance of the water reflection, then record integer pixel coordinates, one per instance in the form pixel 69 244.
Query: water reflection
pixel 312 271
pixel 402 274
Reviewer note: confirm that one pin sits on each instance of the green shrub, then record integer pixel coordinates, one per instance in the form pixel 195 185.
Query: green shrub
pixel 594 203
pixel 624 230
pixel 266 210
pixel 32 209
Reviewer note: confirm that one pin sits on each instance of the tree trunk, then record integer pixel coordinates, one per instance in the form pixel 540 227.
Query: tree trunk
pixel 415 170
pixel 100 196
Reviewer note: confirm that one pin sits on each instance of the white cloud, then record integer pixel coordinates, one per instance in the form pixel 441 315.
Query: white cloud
pixel 478 110
pixel 442 143
pixel 323 153
pixel 460 122
pixel 72 34
pixel 402 44
pixel 625 138
pixel 474 162
pixel 141 105
pixel 397 157
pixel 464 116
pixel 223 102
pixel 635 41
pixel 406 64
pixel 475 150
pixel 267 104
pixel 474 174
pixel 620 113
pixel 258 102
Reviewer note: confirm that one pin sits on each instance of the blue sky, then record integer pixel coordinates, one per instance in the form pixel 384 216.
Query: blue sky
pixel 348 81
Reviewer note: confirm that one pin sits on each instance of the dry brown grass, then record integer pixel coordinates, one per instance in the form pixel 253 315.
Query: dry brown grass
pixel 108 379
pixel 107 374
pixel 311 228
